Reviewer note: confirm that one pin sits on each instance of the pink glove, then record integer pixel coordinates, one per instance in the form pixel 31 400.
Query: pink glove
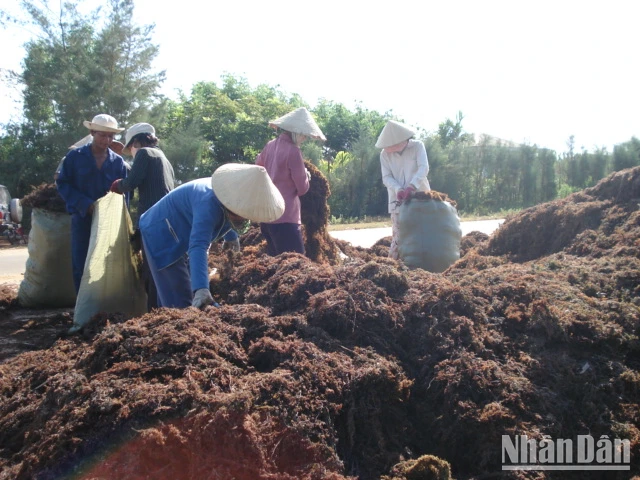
pixel 405 193
pixel 115 187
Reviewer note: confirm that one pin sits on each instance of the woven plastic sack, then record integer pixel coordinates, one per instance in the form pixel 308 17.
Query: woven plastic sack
pixel 429 234
pixel 111 281
pixel 48 276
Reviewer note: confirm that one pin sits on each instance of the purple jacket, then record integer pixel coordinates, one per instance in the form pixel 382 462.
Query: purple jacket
pixel 283 160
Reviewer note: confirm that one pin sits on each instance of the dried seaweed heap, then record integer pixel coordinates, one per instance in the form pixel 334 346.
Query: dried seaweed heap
pixel 46 197
pixel 359 370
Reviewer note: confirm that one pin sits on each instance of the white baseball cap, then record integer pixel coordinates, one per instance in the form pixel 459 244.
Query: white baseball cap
pixel 134 130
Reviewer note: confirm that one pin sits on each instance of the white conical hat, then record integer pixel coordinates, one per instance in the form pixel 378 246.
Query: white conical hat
pixel 248 191
pixel 394 133
pixel 299 121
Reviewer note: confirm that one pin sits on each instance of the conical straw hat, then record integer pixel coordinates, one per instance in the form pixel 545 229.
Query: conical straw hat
pixel 394 133
pixel 247 191
pixel 299 121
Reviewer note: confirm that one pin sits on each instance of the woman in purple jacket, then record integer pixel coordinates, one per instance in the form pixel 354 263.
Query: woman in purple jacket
pixel 283 161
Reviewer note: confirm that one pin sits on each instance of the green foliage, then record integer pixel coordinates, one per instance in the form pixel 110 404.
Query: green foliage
pixel 79 66
pixel 626 155
pixel 565 190
pixel 231 122
pixel 74 69
pixel 451 131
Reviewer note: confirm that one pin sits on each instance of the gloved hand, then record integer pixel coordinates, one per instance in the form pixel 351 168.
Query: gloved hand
pixel 233 245
pixel 405 193
pixel 115 186
pixel 306 170
pixel 202 298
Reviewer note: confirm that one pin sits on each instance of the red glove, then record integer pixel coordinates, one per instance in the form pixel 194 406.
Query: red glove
pixel 405 193
pixel 115 187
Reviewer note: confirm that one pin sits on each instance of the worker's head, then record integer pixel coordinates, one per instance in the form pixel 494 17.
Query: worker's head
pixel 103 128
pixel 300 124
pixel 394 137
pixel 139 136
pixel 247 193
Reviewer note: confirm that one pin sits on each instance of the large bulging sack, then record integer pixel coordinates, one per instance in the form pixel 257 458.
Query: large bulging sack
pixel 429 234
pixel 111 279
pixel 48 276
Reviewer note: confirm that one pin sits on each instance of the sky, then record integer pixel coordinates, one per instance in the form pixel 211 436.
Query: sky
pixel 527 72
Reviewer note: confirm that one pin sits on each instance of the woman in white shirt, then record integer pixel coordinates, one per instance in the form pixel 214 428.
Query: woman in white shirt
pixel 405 167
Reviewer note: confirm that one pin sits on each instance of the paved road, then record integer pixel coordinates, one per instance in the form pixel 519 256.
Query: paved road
pixel 12 263
pixel 366 237
pixel 13 260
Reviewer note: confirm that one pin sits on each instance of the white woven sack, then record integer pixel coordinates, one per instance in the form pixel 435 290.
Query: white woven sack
pixel 429 234
pixel 48 276
pixel 111 280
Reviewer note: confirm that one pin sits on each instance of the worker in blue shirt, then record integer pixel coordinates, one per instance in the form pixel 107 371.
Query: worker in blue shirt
pixel 86 175
pixel 178 230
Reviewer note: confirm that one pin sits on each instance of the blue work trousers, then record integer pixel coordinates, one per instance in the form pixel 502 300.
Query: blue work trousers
pixel 80 236
pixel 282 237
pixel 173 283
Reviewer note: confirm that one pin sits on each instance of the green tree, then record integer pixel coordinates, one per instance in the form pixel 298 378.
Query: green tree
pixel 76 67
pixel 451 131
pixel 626 155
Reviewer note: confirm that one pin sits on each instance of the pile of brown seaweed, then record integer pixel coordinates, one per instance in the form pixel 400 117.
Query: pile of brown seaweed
pixel 353 367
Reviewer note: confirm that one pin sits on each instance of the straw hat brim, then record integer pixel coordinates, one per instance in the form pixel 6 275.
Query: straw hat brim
pixel 101 128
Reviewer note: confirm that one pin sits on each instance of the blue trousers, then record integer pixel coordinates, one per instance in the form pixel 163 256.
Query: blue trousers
pixel 282 237
pixel 173 283
pixel 80 236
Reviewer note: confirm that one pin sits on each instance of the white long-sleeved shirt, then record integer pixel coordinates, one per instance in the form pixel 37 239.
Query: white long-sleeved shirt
pixel 399 170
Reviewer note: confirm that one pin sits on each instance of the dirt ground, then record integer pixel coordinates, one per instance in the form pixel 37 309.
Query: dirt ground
pixel 344 363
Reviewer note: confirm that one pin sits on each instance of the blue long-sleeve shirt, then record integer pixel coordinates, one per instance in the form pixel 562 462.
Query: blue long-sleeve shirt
pixel 80 183
pixel 186 220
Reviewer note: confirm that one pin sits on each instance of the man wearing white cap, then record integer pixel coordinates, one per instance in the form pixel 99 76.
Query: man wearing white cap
pixel 283 160
pixel 178 230
pixel 153 176
pixel 404 170
pixel 86 174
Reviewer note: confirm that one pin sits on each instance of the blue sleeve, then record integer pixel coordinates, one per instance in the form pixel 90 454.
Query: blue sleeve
pixel 206 215
pixel 75 200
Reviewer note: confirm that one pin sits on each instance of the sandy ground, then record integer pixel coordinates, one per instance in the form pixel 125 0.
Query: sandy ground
pixel 13 258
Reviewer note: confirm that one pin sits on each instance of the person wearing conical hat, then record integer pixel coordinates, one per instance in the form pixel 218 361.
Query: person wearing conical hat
pixel 283 160
pixel 86 174
pixel 178 230
pixel 405 167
